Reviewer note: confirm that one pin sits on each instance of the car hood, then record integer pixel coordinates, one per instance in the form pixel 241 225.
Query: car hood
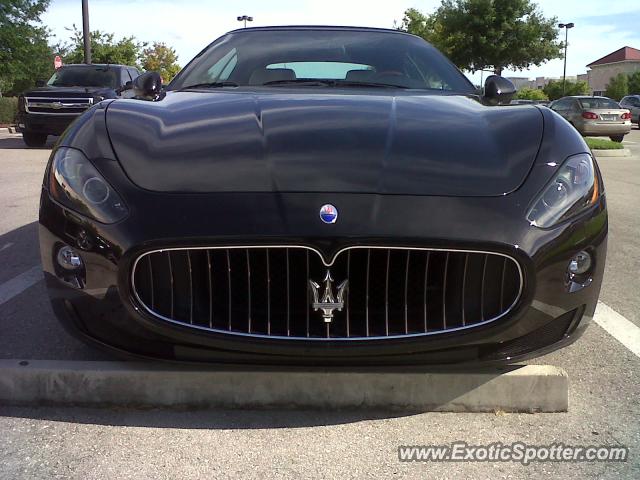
pixel 67 92
pixel 293 141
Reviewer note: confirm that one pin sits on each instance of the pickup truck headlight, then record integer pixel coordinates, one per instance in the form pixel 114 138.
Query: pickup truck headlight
pixel 76 184
pixel 574 189
pixel 21 104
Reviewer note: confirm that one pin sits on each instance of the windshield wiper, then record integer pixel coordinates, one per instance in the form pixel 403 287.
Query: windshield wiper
pixel 331 83
pixel 211 85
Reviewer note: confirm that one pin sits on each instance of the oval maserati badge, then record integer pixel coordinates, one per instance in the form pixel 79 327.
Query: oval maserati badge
pixel 328 213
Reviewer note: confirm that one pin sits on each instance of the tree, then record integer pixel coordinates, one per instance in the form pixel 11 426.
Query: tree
pixel 634 83
pixel 617 87
pixel 478 34
pixel 162 59
pixel 419 24
pixel 104 48
pixel 526 93
pixel 553 89
pixel 25 55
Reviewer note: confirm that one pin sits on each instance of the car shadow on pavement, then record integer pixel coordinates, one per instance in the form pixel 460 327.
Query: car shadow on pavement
pixel 28 327
pixel 216 419
pixel 16 143
pixel 18 250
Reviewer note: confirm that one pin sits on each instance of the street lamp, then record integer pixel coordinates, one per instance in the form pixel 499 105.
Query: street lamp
pixel 566 27
pixel 246 18
pixel 86 34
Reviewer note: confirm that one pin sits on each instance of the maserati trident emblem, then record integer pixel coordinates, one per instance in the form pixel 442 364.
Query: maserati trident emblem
pixel 327 302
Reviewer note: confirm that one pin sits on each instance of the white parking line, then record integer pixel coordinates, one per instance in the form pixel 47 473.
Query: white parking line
pixel 626 332
pixel 19 284
pixel 5 246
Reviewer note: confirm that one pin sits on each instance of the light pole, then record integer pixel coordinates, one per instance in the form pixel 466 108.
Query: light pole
pixel 566 27
pixel 86 34
pixel 245 19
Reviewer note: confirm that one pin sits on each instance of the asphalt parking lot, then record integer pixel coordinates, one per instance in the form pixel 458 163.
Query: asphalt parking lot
pixel 57 442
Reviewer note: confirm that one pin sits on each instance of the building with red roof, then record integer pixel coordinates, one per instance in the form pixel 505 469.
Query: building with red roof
pixel 625 60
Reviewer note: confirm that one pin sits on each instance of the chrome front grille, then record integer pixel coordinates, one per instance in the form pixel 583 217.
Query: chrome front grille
pixel 57 106
pixel 266 291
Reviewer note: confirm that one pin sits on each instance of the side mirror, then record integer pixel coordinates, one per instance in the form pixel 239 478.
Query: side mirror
pixel 40 83
pixel 148 85
pixel 498 91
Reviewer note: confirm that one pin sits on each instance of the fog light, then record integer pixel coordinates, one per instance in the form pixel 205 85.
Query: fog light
pixel 580 263
pixel 69 259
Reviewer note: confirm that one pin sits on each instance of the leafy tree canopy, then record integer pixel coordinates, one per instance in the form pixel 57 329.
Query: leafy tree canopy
pixel 25 55
pixel 104 48
pixel 481 34
pixel 553 89
pixel 618 87
pixel 162 59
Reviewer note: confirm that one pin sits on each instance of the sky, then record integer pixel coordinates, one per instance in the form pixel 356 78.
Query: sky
pixel 601 26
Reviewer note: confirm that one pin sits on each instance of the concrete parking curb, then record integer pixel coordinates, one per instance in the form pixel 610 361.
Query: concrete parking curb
pixel 531 388
pixel 624 152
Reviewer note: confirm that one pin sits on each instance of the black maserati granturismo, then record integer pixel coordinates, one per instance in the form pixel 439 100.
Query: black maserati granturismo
pixel 323 195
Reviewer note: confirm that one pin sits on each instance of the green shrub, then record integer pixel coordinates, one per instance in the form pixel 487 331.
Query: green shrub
pixel 526 93
pixel 8 109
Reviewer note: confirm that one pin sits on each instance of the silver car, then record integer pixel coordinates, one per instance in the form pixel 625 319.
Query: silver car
pixel 632 102
pixel 595 116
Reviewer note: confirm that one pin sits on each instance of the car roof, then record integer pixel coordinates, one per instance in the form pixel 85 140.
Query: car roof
pixel 579 97
pixel 318 27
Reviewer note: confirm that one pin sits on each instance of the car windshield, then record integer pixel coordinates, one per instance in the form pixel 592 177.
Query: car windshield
pixel 308 57
pixel 595 103
pixel 84 76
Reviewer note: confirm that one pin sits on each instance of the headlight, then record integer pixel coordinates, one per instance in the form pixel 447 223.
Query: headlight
pixel 574 188
pixel 75 183
pixel 21 104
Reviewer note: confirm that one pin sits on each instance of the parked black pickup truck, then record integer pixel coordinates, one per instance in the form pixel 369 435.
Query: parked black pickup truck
pixel 49 108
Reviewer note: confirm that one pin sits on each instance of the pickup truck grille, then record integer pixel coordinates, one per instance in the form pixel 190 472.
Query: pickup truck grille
pixel 268 291
pixel 57 106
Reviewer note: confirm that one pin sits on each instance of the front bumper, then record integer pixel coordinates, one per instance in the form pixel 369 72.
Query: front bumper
pixel 105 312
pixel 50 124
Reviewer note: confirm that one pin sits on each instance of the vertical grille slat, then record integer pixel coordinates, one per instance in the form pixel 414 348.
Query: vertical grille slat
pixel 229 287
pixel 484 275
pixel 151 282
pixel 308 293
pixel 426 284
pixel 348 292
pixel 289 300
pixel 190 287
pixel 248 291
pixel 210 289
pixel 464 286
pixel 265 291
pixel 504 268
pixel 268 293
pixel 386 296
pixel 171 281
pixel 406 293
pixel 444 292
